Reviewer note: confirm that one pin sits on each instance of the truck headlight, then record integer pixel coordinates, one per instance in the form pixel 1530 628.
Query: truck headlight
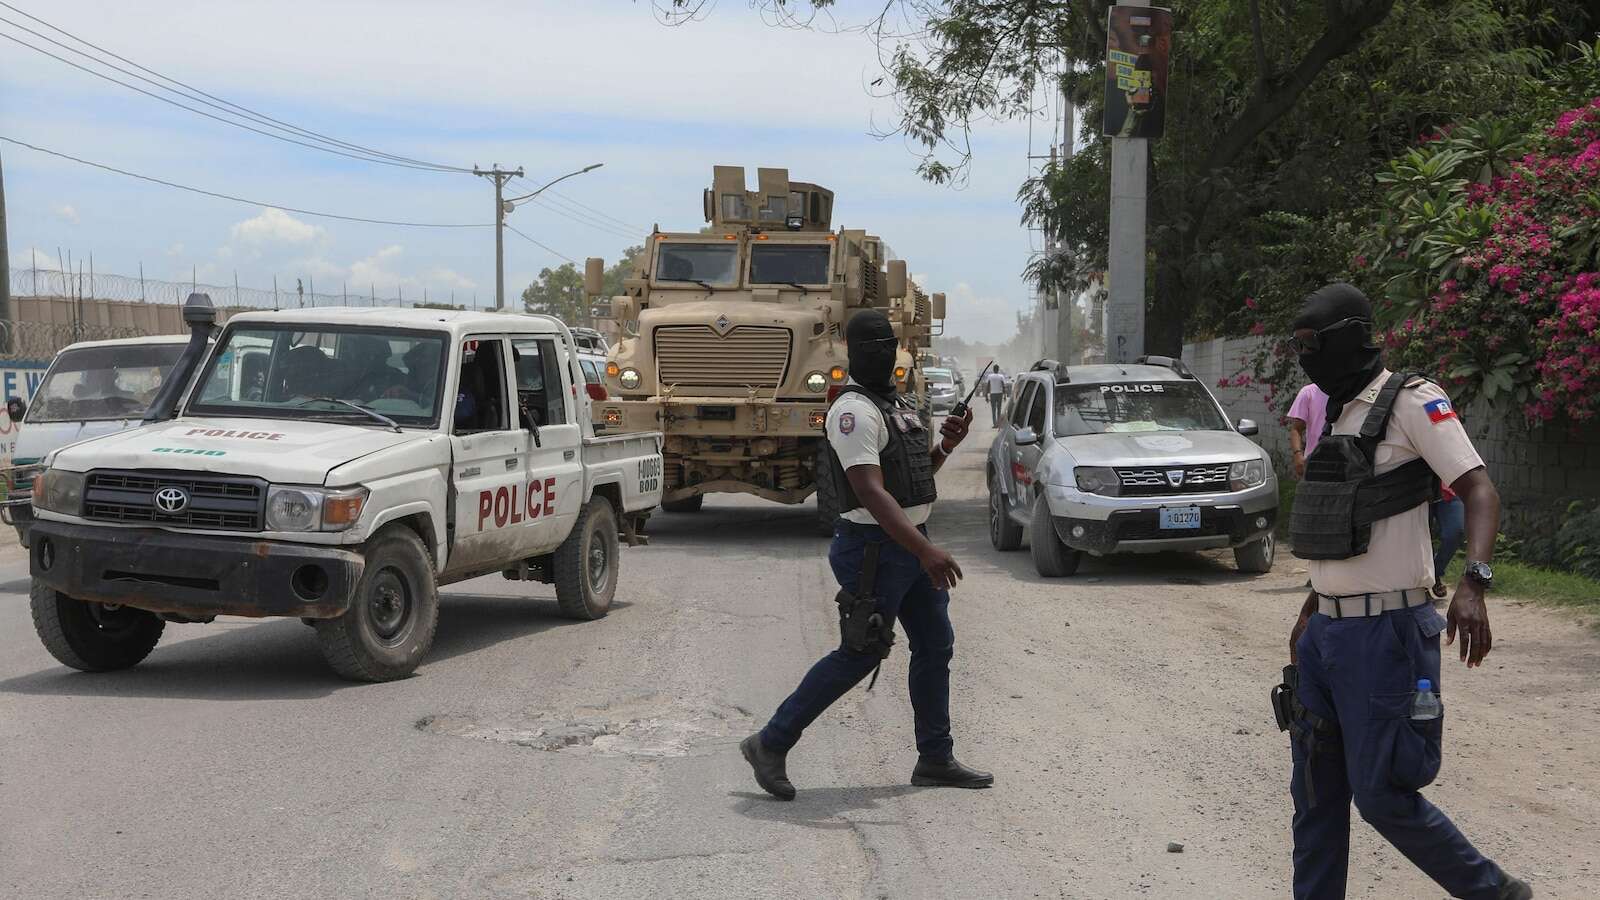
pixel 313 509
pixel 816 382
pixel 1247 474
pixel 1097 480
pixel 629 378
pixel 59 491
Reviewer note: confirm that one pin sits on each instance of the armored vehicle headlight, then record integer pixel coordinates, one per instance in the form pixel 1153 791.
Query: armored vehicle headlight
pixel 1247 474
pixel 816 382
pixel 59 491
pixel 1097 480
pixel 629 378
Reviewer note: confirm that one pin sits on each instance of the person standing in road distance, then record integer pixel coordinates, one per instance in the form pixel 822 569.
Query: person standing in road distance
pixel 994 385
pixel 1366 644
pixel 883 467
pixel 1306 417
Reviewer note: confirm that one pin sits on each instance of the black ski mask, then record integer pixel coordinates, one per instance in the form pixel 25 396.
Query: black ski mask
pixel 870 342
pixel 1342 359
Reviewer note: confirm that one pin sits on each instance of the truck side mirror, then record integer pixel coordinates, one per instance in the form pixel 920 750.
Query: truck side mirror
pixel 624 309
pixel 897 279
pixel 938 306
pixel 594 276
pixel 16 408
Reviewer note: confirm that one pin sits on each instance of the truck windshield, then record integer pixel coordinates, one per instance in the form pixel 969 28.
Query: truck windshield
pixel 707 263
pixel 789 264
pixel 1135 407
pixel 98 383
pixel 293 372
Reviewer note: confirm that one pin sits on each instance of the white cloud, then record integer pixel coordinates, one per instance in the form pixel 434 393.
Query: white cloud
pixel 68 213
pixel 274 226
pixel 979 318
pixel 449 279
pixel 176 249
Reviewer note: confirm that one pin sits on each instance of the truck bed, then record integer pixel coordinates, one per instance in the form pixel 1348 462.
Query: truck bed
pixel 631 460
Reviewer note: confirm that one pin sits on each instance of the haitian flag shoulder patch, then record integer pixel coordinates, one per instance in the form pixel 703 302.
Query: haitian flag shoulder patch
pixel 1439 410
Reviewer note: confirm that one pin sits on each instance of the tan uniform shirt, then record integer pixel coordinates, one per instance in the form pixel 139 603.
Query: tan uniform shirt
pixel 1400 554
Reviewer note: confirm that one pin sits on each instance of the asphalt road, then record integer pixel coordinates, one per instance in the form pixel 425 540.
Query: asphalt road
pixel 535 757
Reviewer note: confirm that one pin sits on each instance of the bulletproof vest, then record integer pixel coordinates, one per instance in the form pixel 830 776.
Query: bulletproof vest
pixel 907 467
pixel 1340 497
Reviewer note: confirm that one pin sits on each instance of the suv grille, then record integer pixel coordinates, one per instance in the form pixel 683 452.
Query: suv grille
pixel 1156 482
pixel 232 504
pixel 749 356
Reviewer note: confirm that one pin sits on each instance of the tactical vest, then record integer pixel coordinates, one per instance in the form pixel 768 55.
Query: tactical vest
pixel 907 467
pixel 1340 497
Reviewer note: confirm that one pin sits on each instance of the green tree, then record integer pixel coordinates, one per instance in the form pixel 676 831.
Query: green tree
pixel 558 292
pixel 621 269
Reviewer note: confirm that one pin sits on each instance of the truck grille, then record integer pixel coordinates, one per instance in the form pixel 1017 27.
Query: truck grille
pixel 749 356
pixel 1153 481
pixel 231 504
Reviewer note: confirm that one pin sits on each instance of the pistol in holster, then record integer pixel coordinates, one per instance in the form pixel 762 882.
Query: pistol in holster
pixel 1283 700
pixel 1319 736
pixel 862 627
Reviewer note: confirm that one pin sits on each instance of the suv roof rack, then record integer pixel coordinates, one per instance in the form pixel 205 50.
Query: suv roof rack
pixel 1165 362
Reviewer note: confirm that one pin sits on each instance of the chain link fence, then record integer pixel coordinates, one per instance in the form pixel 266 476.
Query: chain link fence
pixel 41 341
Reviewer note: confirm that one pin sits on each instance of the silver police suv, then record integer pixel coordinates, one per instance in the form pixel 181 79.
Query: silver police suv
pixel 1127 459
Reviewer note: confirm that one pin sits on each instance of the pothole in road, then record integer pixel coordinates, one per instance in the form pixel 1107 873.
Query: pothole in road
pixel 653 727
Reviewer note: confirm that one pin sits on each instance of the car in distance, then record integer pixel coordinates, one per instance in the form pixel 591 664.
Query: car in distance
pixel 942 389
pixel 1137 458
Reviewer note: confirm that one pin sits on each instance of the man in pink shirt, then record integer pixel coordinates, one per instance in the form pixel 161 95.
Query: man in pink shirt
pixel 1306 417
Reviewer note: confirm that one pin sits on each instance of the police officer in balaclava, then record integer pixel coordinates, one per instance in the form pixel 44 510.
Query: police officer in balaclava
pixel 882 463
pixel 1367 721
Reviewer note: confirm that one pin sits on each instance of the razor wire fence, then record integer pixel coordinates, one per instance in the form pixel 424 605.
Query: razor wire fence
pixel 55 283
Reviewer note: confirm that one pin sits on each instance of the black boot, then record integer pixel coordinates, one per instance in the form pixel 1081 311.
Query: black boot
pixel 1512 889
pixel 948 773
pixel 768 766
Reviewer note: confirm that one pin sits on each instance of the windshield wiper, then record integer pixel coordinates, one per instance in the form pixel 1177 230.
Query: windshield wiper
pixel 703 284
pixel 375 416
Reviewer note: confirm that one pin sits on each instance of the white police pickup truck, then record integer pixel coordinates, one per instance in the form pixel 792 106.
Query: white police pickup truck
pixel 338 465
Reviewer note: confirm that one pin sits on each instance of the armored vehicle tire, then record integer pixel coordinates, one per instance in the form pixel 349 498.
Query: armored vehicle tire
pixel 1052 558
pixel 94 637
pixel 393 613
pixel 827 495
pixel 1255 558
pixel 586 563
pixel 1004 534
pixel 689 505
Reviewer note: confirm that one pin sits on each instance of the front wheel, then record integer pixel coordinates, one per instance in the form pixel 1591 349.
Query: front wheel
pixel 93 637
pixel 393 613
pixel 1052 558
pixel 1255 558
pixel 586 563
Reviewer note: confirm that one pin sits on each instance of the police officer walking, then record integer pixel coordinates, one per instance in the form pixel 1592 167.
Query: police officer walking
pixel 882 461
pixel 1368 724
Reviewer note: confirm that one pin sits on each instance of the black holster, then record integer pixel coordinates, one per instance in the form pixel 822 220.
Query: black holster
pixel 1320 735
pixel 862 627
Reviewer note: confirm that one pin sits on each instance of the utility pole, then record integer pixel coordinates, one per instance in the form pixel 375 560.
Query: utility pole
pixel 1065 302
pixel 1130 158
pixel 5 268
pixel 499 176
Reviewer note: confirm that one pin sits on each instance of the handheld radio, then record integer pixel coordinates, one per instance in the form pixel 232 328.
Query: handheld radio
pixel 960 410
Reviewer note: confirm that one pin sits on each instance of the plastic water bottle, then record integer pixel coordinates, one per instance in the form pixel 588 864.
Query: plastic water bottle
pixel 1425 706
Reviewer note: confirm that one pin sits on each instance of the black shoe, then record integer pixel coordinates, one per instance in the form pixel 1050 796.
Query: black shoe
pixel 948 773
pixel 768 767
pixel 1512 889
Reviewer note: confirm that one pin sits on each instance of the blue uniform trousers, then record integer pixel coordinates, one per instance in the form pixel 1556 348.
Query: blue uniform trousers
pixel 905 592
pixel 1360 674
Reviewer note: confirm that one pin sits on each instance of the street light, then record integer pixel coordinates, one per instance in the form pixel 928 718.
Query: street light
pixel 501 208
pixel 511 204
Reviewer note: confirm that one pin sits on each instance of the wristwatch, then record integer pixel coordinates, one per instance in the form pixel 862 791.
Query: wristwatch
pixel 1481 573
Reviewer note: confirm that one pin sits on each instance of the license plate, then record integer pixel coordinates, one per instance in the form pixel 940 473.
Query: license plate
pixel 1180 517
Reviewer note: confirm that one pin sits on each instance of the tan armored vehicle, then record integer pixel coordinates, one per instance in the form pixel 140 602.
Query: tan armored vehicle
pixel 732 338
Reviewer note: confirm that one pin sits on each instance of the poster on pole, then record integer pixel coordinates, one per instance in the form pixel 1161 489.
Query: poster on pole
pixel 1138 44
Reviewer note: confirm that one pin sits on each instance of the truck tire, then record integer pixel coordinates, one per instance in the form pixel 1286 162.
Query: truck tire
pixel 687 505
pixel 393 613
pixel 828 500
pixel 586 563
pixel 93 637
pixel 1255 558
pixel 1004 534
pixel 1052 558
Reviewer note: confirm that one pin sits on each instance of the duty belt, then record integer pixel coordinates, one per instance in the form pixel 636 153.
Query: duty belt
pixel 1358 605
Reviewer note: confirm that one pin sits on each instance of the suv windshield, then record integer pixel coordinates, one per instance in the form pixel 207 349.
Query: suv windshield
pixel 103 382
pixel 708 263
pixel 289 373
pixel 789 264
pixel 1139 406
pixel 939 376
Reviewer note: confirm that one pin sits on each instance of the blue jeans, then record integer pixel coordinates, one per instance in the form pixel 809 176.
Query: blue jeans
pixel 1450 515
pixel 905 592
pixel 1361 673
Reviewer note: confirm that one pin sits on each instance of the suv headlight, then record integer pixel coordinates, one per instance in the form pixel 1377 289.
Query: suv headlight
pixel 1248 474
pixel 1097 480
pixel 313 509
pixel 59 491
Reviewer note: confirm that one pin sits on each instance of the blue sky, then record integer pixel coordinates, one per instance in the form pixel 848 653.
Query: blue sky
pixel 548 86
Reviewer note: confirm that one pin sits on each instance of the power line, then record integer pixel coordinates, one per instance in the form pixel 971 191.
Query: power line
pixel 517 231
pixel 199 96
pixel 579 218
pixel 220 196
pixel 636 229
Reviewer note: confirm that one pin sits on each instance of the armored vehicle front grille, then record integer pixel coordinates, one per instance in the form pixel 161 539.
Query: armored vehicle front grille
pixel 1157 481
pixel 220 502
pixel 748 356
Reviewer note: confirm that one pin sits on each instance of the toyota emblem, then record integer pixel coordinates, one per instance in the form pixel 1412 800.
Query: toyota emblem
pixel 172 500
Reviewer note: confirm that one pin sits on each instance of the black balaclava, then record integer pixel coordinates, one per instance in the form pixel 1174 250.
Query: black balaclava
pixel 1347 361
pixel 870 342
